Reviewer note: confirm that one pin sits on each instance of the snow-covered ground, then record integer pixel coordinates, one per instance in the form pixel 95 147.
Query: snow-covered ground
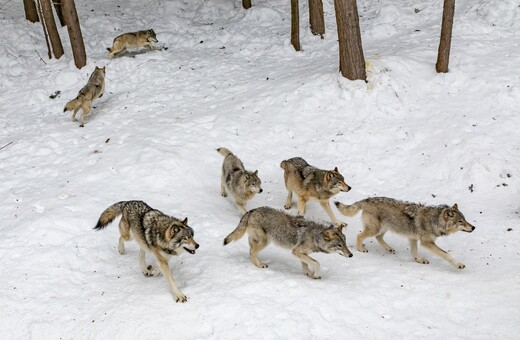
pixel 230 78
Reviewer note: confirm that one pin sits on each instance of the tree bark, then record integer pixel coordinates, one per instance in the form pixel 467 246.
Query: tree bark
pixel 443 56
pixel 295 25
pixel 76 39
pixel 351 59
pixel 246 4
pixel 59 12
pixel 316 19
pixel 31 13
pixel 54 36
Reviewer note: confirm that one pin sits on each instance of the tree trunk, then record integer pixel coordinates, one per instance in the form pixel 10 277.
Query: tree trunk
pixel 59 12
pixel 31 13
pixel 246 4
pixel 351 59
pixel 48 17
pixel 295 25
pixel 42 20
pixel 76 39
pixel 316 20
pixel 443 56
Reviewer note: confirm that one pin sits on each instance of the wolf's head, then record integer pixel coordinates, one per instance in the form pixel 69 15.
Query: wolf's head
pixel 455 221
pixel 100 70
pixel 180 237
pixel 334 241
pixel 253 182
pixel 151 35
pixel 335 182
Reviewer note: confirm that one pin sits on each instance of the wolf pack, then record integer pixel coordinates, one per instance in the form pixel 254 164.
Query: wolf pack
pixel 165 236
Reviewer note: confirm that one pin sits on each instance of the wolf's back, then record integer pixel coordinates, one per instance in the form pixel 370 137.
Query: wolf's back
pixel 109 215
pixel 296 163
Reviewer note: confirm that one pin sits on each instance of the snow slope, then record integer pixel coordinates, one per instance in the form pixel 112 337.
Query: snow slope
pixel 230 78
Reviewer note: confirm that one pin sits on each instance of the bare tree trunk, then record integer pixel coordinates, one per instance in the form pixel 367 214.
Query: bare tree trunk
pixel 316 19
pixel 295 25
pixel 351 59
pixel 59 12
pixel 443 56
pixel 246 4
pixel 57 48
pixel 44 30
pixel 31 13
pixel 76 39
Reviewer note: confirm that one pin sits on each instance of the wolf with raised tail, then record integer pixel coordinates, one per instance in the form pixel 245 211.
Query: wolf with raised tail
pixel 93 90
pixel 302 236
pixel 417 222
pixel 235 179
pixel 132 40
pixel 155 232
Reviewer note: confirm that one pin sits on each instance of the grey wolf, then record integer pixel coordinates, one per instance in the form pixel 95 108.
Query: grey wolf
pixel 93 90
pixel 155 232
pixel 417 222
pixel 235 179
pixel 311 183
pixel 302 236
pixel 132 40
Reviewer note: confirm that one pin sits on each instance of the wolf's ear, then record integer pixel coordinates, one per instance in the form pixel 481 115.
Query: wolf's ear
pixel 185 221
pixel 170 233
pixel 341 226
pixel 328 234
pixel 255 173
pixel 448 213
pixel 329 175
pixel 336 169
pixel 455 207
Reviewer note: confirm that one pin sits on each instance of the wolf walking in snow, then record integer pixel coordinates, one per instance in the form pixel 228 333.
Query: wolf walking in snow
pixel 302 236
pixel 235 179
pixel 93 90
pixel 417 222
pixel 311 183
pixel 155 232
pixel 132 40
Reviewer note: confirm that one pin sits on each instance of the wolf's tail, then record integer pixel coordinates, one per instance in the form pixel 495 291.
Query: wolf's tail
pixel 349 210
pixel 109 215
pixel 72 105
pixel 224 151
pixel 240 230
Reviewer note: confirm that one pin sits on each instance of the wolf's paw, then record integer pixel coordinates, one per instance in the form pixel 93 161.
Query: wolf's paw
pixel 362 249
pixel 287 206
pixel 82 125
pixel 312 276
pixel 460 266
pixel 181 298
pixel 262 265
pixel 121 251
pixel 73 119
pixel 391 250
pixel 224 194
pixel 151 271
pixel 421 260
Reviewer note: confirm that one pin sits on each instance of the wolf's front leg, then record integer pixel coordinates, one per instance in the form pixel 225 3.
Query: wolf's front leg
pixel 147 270
pixel 326 206
pixel 165 269
pixel 309 262
pixel 438 251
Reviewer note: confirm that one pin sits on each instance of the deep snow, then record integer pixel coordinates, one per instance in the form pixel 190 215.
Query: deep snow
pixel 230 78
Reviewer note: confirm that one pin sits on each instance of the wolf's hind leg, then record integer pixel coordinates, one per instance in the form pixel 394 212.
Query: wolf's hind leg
pixel 124 230
pixel 415 255
pixel 383 243
pixel 256 244
pixel 288 201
